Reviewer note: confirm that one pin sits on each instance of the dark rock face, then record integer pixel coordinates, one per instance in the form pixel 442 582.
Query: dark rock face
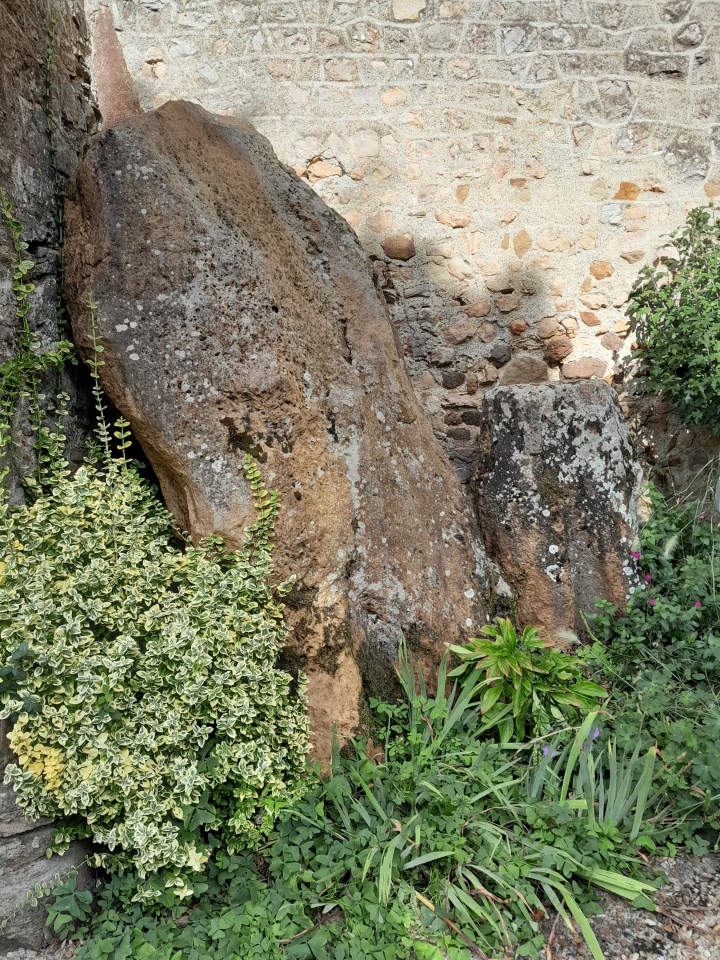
pixel 239 314
pixel 555 491
pixel 26 177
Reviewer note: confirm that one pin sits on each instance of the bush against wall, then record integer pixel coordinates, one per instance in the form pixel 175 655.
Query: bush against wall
pixel 148 711
pixel 675 311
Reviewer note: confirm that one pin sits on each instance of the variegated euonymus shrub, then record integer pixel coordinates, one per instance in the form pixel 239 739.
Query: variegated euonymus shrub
pixel 148 713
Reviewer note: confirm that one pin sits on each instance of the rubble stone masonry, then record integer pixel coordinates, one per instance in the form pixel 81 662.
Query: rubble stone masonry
pixel 510 164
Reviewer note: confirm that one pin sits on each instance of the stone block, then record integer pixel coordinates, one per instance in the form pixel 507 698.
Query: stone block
pixel 408 9
pixel 584 368
pixel 555 489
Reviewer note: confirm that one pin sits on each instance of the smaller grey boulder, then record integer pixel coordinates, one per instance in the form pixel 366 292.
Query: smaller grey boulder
pixel 555 490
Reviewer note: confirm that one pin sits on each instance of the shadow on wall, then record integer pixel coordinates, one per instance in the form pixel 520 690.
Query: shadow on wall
pixel 520 341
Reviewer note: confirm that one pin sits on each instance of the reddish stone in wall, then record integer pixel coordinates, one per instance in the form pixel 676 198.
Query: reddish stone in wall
pixel 584 369
pixel 113 83
pixel 400 246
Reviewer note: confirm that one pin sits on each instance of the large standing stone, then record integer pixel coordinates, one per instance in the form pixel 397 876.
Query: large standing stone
pixel 239 314
pixel 555 490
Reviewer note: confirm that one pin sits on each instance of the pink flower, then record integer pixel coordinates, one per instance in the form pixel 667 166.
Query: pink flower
pixel 635 554
pixel 648 578
pixel 652 601
pixel 698 604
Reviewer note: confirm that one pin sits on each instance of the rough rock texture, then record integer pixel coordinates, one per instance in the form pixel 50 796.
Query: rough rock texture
pixel 555 490
pixel 26 176
pixel 239 315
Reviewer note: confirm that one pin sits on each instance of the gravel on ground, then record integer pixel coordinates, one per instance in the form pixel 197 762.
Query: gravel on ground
pixel 686 926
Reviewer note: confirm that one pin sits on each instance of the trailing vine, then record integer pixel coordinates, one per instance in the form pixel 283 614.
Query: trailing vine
pixel 58 181
pixel 37 893
pixel 139 676
pixel 147 711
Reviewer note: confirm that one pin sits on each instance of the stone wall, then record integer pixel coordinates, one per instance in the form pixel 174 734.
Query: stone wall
pixel 25 174
pixel 511 164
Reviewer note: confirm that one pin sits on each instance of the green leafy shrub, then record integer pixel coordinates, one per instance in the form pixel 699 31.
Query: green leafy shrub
pixel 662 656
pixel 450 842
pixel 528 686
pixel 148 712
pixel 675 311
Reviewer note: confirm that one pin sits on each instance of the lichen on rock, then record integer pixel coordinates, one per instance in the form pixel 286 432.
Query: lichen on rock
pixel 556 489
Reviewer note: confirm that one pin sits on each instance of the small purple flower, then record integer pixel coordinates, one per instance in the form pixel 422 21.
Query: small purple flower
pixel 648 578
pixel 698 604
pixel 702 516
pixel 589 738
pixel 546 750
pixel 651 601
pixel 635 554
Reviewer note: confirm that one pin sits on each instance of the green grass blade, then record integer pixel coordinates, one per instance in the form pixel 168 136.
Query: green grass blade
pixel 575 751
pixel 643 792
pixel 428 857
pixel 613 783
pixel 626 793
pixel 557 903
pixel 587 780
pixel 369 794
pixel 538 786
pixel 470 910
pixel 582 922
pixel 552 887
pixel 368 861
pixel 442 679
pixel 617 883
pixel 386 864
